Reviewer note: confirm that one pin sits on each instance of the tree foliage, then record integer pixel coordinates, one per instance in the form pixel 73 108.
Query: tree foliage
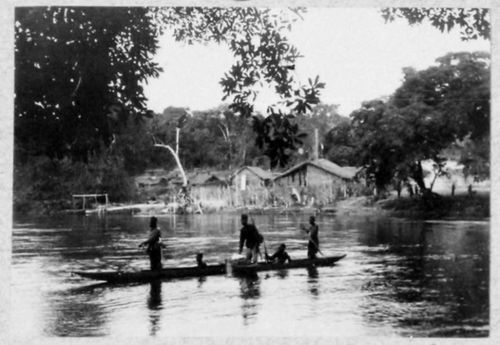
pixel 322 117
pixel 340 144
pixel 220 138
pixel 74 66
pixel 257 38
pixel 80 73
pixel 457 88
pixel 264 56
pixel 378 145
pixel 473 23
pixel 278 133
pixel 45 185
pixel 432 109
pixel 475 157
pixel 446 103
pixel 80 70
pixel 215 138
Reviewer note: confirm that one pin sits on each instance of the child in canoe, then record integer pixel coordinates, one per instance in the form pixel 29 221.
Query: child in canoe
pixel 280 256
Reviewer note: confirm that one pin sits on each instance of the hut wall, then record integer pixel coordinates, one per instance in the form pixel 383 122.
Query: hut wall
pixel 211 196
pixel 297 179
pixel 251 179
pixel 214 197
pixel 315 187
pixel 317 176
pixel 257 196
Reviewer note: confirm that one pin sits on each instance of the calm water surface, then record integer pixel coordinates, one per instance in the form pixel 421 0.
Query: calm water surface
pixel 400 278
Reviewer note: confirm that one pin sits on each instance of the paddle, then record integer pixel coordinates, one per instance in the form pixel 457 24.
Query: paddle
pixel 265 251
pixel 319 250
pixel 303 228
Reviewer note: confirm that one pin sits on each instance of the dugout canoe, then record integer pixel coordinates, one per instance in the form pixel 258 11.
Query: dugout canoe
pixel 148 275
pixel 192 272
pixel 244 268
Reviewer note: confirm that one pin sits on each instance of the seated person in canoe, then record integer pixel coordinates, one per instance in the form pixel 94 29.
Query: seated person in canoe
pixel 199 261
pixel 280 256
pixel 251 238
pixel 154 245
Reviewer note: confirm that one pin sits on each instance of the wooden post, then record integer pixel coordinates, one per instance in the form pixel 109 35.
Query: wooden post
pixel 316 145
pixel 177 131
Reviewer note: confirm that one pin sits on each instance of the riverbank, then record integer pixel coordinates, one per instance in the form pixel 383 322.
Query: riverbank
pixel 465 206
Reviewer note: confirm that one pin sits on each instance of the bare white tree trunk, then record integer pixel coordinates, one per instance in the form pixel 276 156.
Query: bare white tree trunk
pixel 177 130
pixel 177 160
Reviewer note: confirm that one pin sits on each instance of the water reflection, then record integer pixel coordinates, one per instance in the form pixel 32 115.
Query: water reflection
pixel 426 276
pixel 313 281
pixel 76 313
pixel 249 293
pixel 154 307
pixel 282 274
pixel 201 280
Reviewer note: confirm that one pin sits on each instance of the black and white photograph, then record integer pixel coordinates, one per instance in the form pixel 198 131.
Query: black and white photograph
pixel 244 170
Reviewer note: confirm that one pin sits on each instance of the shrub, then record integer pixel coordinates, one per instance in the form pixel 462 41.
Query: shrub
pixel 42 184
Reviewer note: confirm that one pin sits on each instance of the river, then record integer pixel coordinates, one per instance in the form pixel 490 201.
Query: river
pixel 400 278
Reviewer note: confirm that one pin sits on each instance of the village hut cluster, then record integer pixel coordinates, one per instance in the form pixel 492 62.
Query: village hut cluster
pixel 315 183
pixel 312 183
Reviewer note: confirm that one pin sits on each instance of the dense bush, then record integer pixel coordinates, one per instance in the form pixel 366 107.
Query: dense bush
pixel 42 184
pixel 466 206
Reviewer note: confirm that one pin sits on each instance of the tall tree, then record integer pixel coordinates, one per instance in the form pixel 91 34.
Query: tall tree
pixel 446 103
pixel 76 67
pixel 379 146
pixel 430 111
pixel 340 145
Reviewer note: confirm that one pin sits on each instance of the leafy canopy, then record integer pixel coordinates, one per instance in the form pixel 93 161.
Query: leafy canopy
pixel 80 71
pixel 74 66
pixel 214 138
pixel 473 23
pixel 432 109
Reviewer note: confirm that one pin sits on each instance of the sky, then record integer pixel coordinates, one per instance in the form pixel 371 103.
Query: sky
pixel 357 55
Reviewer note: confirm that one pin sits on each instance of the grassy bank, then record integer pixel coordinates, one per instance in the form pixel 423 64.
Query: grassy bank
pixel 476 206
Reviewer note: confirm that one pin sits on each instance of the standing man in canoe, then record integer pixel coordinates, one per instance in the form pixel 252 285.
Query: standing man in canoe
pixel 312 231
pixel 153 245
pixel 250 236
